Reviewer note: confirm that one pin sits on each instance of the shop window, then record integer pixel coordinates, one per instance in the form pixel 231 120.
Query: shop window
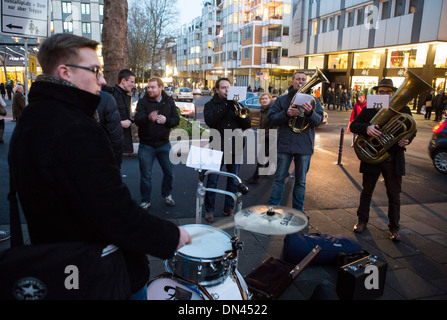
pixel 441 56
pixel 404 58
pixel 316 62
pixel 338 61
pixel 367 60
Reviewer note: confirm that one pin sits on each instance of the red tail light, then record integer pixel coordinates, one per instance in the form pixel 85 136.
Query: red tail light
pixel 438 128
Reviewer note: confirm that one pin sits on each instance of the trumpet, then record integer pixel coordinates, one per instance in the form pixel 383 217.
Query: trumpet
pixel 299 123
pixel 239 109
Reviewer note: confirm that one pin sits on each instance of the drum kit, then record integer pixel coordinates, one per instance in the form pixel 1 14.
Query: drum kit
pixel 206 269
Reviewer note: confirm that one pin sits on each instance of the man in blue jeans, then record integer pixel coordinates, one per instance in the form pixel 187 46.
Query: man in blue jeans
pixel 298 147
pixel 219 115
pixel 155 116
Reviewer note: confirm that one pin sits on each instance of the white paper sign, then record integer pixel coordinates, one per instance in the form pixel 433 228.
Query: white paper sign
pixel 205 159
pixel 302 98
pixel 240 93
pixel 378 102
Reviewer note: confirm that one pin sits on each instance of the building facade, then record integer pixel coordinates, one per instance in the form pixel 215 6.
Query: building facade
pixel 244 40
pixel 359 42
pixel 80 17
pixel 260 43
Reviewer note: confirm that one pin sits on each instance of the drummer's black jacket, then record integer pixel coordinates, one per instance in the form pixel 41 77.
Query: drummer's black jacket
pixel 70 187
pixel 359 126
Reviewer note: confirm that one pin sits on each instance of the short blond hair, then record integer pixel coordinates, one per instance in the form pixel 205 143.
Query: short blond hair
pixel 265 94
pixel 156 79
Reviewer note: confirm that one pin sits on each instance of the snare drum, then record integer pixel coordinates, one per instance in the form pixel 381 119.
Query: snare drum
pixel 166 287
pixel 207 260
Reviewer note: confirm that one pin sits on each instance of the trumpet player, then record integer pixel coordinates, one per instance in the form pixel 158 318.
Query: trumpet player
pixel 293 146
pixel 392 169
pixel 219 115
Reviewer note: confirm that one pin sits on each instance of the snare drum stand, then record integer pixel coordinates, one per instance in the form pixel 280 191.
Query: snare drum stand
pixel 201 190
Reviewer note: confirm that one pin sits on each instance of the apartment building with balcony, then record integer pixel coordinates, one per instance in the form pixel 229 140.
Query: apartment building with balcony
pixel 80 17
pixel 244 40
pixel 358 42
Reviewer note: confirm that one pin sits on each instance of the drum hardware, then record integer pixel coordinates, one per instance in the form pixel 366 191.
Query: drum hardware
pixel 201 190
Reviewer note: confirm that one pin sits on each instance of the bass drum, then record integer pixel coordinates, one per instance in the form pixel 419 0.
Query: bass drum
pixel 168 287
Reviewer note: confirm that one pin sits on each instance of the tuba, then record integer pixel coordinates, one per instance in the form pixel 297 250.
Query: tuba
pixel 394 125
pixel 299 123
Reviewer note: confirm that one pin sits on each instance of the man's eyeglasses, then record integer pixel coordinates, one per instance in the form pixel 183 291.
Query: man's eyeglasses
pixel 97 71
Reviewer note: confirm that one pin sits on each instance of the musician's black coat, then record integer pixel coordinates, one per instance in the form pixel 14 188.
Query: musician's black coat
pixel 70 186
pixel 361 124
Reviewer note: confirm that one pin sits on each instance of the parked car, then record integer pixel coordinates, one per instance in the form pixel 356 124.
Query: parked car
pixel 169 91
pixel 183 94
pixel 437 147
pixel 206 92
pixel 186 108
pixel 254 106
pixel 197 91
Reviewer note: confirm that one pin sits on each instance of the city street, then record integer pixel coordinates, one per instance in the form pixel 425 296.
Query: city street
pixel 416 266
pixel 328 185
pixel 325 190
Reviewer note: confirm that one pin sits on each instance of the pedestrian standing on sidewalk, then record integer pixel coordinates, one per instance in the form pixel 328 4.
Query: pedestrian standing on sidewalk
pixel 156 115
pixel 298 147
pixel 266 102
pixel 355 112
pixel 2 119
pixel 439 104
pixel 392 169
pixel 18 103
pixel 64 170
pixel 122 93
pixel 429 105
pixel 219 115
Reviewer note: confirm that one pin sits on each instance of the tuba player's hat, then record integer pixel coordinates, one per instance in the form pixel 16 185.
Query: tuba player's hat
pixel 385 83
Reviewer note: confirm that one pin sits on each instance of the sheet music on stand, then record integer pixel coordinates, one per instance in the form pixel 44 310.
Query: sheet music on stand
pixel 204 159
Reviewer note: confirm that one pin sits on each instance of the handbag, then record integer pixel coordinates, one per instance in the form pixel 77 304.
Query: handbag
pixel 428 103
pixel 60 271
pixel 3 111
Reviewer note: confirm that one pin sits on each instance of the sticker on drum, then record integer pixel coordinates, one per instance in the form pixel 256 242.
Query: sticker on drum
pixel 207 242
pixel 171 288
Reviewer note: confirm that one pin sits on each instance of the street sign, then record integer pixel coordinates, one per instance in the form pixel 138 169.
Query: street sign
pixel 27 18
pixel 32 64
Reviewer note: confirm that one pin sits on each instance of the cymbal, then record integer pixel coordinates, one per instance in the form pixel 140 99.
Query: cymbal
pixel 271 220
